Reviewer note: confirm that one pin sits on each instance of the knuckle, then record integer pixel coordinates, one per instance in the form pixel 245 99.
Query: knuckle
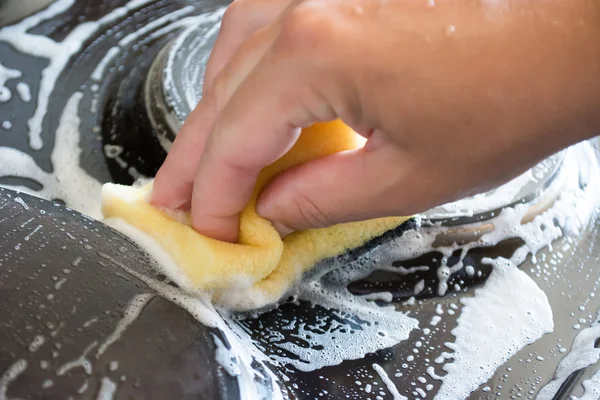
pixel 306 29
pixel 216 93
pixel 311 214
pixel 233 12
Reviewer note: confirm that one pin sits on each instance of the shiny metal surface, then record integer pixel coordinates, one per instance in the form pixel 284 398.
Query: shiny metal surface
pixel 167 354
pixel 174 87
pixel 11 10
pixel 56 285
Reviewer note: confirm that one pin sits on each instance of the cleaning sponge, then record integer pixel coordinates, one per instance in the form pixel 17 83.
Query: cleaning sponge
pixel 261 268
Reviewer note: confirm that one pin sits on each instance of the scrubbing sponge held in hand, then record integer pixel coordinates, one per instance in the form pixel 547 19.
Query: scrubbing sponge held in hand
pixel 261 267
pixel 453 100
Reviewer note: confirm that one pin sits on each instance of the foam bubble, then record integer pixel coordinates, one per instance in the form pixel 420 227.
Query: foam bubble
pixel 583 354
pixel 513 307
pixel 24 91
pixel 591 387
pixel 7 74
pixel 10 375
pixel 107 389
pixel 68 181
pixel 388 383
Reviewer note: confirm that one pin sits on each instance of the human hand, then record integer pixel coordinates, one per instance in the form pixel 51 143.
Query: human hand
pixel 453 99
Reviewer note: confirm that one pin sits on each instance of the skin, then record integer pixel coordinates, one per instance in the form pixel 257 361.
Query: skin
pixel 454 98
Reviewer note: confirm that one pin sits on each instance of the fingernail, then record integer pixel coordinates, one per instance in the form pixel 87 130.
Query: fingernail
pixel 282 229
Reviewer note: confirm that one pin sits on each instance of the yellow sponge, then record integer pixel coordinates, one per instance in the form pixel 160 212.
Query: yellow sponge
pixel 262 267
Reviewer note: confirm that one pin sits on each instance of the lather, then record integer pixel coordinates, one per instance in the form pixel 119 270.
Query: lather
pixel 262 268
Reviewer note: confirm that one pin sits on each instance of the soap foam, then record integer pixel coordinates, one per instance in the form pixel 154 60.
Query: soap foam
pixel 591 387
pixel 57 53
pixel 384 326
pixel 388 383
pixel 572 211
pixel 511 306
pixel 131 313
pixel 351 328
pixel 10 375
pixel 497 198
pixel 185 90
pixel 69 181
pixel 242 351
pixel 24 91
pixel 107 389
pixel 7 74
pixel 325 285
pixel 583 354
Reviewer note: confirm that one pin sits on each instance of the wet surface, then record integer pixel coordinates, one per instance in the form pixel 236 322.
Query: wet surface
pixel 60 297
pixel 165 353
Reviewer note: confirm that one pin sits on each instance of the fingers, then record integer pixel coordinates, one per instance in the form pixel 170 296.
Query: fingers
pixel 249 117
pixel 241 20
pixel 256 127
pixel 344 187
pixel 174 181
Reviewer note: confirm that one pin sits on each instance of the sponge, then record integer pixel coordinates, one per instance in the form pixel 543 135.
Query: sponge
pixel 261 268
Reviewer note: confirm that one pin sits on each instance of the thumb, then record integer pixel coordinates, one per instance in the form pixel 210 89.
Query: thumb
pixel 344 187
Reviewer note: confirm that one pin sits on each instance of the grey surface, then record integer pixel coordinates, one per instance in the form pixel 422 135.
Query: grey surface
pixel 164 354
pixel 11 11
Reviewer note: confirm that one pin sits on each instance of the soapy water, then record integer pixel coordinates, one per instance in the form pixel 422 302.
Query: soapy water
pixel 509 304
pixel 591 387
pixel 7 74
pixel 583 354
pixel 508 288
pixel 350 326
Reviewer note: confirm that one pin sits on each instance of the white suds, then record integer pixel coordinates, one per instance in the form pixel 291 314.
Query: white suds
pixel 386 297
pixel 82 389
pixel 80 362
pixel 21 202
pixel 513 307
pixel 101 67
pixel 383 327
pixel 7 74
pixel 37 342
pixel 33 232
pixel 10 375
pixel 486 201
pixel 72 184
pixel 224 357
pixel 419 287
pixel 391 387
pixel 107 389
pixel 132 312
pixel 583 354
pixel 204 312
pixel 591 387
pixel 57 53
pixel 24 91
pixel 69 181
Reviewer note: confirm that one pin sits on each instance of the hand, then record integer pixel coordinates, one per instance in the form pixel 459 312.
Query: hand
pixel 454 98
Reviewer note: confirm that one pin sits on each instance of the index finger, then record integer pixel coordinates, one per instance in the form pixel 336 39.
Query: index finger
pixel 242 19
pixel 174 181
pixel 258 125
